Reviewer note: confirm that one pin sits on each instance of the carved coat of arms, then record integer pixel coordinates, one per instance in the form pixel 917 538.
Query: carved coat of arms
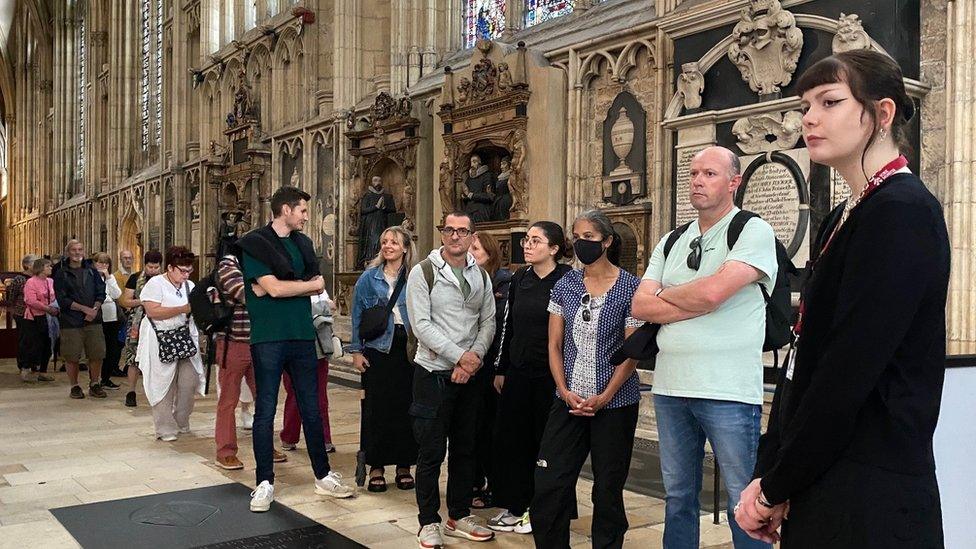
pixel 766 46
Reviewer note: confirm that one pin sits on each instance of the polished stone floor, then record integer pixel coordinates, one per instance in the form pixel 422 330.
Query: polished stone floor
pixel 56 452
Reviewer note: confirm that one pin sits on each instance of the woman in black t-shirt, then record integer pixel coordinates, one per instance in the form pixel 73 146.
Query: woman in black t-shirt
pixel 522 375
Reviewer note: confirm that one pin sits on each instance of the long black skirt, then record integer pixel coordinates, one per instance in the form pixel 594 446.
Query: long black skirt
pixel 388 385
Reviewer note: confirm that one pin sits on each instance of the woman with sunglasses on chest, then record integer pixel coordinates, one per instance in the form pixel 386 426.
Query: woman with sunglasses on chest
pixel 595 411
pixel 847 459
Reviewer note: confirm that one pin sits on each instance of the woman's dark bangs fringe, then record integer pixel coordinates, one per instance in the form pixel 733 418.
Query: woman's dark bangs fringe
pixel 828 70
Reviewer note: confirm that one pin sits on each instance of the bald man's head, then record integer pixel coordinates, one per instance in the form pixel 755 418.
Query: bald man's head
pixel 731 159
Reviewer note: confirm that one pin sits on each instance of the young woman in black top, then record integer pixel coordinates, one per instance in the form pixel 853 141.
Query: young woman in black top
pixel 848 453
pixel 522 375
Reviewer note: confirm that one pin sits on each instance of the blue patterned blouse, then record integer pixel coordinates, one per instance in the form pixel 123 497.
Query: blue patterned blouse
pixel 593 332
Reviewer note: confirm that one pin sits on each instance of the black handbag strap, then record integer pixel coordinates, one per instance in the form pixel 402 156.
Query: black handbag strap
pixel 401 282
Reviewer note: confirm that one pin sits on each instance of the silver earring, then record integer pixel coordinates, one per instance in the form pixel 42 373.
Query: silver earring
pixel 884 134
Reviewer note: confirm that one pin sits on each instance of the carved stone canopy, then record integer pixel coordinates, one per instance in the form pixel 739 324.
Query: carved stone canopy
pixel 486 110
pixel 769 132
pixel 766 46
pixel 390 138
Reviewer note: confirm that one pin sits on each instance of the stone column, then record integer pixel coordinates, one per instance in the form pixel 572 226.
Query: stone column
pixel 958 199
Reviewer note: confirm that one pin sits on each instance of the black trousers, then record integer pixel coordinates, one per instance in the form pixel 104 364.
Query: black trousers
pixel 444 416
pixel 608 438
pixel 855 505
pixel 113 349
pixel 523 410
pixel 23 342
pixel 484 456
pixel 34 343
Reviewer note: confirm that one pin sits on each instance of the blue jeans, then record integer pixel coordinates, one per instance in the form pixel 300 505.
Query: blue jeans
pixel 683 424
pixel 298 359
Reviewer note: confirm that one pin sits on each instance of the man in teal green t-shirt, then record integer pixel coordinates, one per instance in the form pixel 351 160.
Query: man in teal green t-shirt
pixel 280 273
pixel 708 372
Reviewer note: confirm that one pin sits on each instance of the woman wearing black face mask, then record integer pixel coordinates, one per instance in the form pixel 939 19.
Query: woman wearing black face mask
pixel 595 411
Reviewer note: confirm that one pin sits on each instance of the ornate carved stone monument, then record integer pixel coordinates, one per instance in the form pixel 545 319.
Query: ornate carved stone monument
pixel 690 85
pixel 768 132
pixel 484 117
pixel 382 144
pixel 850 34
pixel 766 46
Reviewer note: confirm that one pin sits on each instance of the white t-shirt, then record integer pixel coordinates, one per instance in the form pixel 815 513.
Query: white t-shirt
pixel 160 290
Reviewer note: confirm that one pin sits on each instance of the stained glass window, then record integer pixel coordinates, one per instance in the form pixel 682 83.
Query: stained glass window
pixel 144 82
pixel 483 19
pixel 82 37
pixel 540 11
pixel 158 92
pixel 151 76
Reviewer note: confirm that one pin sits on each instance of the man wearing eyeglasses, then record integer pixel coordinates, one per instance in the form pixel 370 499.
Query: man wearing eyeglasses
pixel 708 372
pixel 452 311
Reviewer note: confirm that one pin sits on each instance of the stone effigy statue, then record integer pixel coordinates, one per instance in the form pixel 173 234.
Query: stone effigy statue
pixel 228 232
pixel 502 206
pixel 477 193
pixel 374 208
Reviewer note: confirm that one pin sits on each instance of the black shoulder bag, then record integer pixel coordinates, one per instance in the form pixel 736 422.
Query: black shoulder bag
pixel 373 322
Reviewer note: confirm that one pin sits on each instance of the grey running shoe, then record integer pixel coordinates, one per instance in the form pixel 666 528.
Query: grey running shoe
pixel 429 537
pixel 468 528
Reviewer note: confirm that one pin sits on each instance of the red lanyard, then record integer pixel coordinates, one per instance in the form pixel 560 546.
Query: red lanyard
pixel 875 181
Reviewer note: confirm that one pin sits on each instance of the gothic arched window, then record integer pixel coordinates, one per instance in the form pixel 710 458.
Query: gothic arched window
pixel 540 11
pixel 151 76
pixel 483 19
pixel 82 37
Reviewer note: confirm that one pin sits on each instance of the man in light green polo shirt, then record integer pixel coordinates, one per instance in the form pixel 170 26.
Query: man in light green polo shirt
pixel 708 373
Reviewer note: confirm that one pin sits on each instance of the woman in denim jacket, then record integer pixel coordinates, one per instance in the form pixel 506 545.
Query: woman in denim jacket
pixel 387 374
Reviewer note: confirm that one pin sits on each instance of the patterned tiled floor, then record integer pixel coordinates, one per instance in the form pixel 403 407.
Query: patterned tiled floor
pixel 55 451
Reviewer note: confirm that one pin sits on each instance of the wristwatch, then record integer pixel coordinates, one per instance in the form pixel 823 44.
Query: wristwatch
pixel 658 292
pixel 761 500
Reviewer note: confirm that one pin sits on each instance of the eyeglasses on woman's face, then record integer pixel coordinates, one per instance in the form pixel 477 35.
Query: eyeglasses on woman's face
pixel 185 270
pixel 532 242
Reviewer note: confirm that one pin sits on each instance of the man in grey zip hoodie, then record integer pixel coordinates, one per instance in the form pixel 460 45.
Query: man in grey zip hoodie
pixel 454 322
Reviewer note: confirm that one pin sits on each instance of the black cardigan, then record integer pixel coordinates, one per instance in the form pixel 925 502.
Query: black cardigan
pixel 265 245
pixel 867 382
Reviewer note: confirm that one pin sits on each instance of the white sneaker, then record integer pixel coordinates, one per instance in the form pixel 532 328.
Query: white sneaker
pixel 288 446
pixel 184 430
pixel 168 438
pixel 331 485
pixel 27 376
pixel 262 497
pixel 524 525
pixel 429 537
pixel 503 522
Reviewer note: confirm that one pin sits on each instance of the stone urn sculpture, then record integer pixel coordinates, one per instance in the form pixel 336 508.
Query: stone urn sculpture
pixel 622 139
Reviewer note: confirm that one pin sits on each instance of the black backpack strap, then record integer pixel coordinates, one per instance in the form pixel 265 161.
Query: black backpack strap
pixel 738 223
pixel 673 237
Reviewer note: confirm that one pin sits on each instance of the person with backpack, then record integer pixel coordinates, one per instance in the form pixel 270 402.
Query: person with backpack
pixel 379 352
pixel 451 306
pixel 709 298
pixel 227 320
